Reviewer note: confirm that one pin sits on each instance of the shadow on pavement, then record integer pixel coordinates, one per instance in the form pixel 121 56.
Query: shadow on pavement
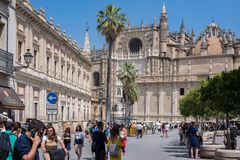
pixel 87 158
pixel 179 151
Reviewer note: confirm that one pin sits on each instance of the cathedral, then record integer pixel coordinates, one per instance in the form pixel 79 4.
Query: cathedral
pixel 169 65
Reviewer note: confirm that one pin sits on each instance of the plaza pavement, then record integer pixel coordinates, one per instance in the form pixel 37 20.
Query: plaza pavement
pixel 150 147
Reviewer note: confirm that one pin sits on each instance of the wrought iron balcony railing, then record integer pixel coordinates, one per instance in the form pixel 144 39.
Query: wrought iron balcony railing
pixel 6 62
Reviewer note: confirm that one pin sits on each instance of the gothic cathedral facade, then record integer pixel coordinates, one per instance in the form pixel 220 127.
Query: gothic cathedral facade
pixel 169 65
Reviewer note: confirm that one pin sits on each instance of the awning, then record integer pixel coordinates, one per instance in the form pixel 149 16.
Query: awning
pixel 9 99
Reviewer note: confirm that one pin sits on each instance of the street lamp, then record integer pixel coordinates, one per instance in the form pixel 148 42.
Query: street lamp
pixel 101 92
pixel 28 60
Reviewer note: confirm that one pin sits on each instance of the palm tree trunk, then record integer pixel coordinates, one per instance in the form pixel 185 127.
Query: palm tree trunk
pixel 109 84
pixel 126 106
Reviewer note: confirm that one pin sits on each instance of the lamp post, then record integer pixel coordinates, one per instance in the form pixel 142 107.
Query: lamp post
pixel 28 60
pixel 101 92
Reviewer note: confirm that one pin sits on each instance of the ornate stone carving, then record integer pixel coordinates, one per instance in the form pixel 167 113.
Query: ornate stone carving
pixel 125 38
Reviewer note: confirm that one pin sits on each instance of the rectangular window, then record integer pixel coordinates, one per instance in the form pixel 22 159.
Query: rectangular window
pixel 55 68
pixel 62 112
pixel 19 52
pixel 181 91
pixel 72 76
pixel 67 73
pixel 48 59
pixel 35 59
pixel 62 71
pixel 36 110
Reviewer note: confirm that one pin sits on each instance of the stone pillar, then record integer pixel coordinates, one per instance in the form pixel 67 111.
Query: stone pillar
pixel 147 100
pixel 29 39
pixel 210 66
pixel 160 102
pixel 42 105
pixel 226 64
pixel 189 66
pixel 174 101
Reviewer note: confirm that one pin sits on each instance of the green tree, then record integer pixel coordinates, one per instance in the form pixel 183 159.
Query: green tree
pixel 191 104
pixel 127 74
pixel 110 24
pixel 223 92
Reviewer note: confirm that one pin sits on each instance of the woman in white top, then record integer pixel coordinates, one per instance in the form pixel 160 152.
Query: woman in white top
pixel 50 142
pixel 79 141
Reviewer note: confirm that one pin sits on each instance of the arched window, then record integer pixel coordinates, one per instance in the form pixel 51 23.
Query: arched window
pixel 96 79
pixel 135 45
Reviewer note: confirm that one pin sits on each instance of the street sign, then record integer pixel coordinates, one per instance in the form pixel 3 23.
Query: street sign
pixel 51 109
pixel 52 98
pixel 51 106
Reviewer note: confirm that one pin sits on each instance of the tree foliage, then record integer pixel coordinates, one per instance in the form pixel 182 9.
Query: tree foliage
pixel 127 74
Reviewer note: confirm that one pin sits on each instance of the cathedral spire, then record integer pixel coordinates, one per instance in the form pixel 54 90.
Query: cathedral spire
pixel 182 28
pixel 142 23
pixel 182 34
pixel 163 32
pixel 193 35
pixel 164 9
pixel 86 47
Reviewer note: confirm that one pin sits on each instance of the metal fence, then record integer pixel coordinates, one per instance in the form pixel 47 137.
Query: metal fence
pixel 6 62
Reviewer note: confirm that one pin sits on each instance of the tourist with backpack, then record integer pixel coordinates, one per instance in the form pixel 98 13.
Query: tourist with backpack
pixel 79 141
pixel 7 141
pixel 26 146
pixel 114 145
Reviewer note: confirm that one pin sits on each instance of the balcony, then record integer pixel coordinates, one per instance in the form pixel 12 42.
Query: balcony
pixel 6 62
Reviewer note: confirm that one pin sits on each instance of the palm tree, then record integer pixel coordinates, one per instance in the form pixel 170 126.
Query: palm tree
pixel 127 75
pixel 110 24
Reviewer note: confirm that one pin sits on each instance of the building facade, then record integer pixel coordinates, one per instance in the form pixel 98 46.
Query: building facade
pixel 9 100
pixel 169 65
pixel 58 65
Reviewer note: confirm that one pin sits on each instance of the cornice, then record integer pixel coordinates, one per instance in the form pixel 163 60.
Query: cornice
pixel 205 57
pixel 32 15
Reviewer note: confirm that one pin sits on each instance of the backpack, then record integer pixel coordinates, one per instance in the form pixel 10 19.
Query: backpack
pixel 113 149
pixel 5 146
pixel 79 138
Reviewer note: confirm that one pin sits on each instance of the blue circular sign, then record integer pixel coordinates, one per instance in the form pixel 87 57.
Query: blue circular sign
pixel 52 98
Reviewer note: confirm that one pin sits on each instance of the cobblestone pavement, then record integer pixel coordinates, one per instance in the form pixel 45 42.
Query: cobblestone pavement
pixel 150 147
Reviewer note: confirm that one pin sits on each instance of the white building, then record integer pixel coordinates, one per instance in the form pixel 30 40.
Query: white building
pixel 58 65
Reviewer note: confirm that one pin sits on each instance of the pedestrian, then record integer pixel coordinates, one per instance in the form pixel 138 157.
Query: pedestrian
pixel 67 140
pixel 26 146
pixel 12 138
pixel 123 135
pixel 98 142
pixel 79 141
pixel 107 131
pixel 114 145
pixel 194 141
pixel 50 142
pixel 92 129
pixel 17 130
pixel 139 128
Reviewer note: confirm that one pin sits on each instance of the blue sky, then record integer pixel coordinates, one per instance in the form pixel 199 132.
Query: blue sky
pixel 73 15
